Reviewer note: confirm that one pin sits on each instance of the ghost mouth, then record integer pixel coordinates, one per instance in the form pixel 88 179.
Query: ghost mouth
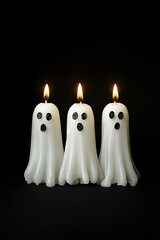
pixel 43 128
pixel 117 125
pixel 80 126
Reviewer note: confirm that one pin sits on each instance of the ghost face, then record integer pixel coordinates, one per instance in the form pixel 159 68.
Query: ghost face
pixel 46 151
pixel 83 117
pixel 115 153
pixel 80 162
pixel 80 120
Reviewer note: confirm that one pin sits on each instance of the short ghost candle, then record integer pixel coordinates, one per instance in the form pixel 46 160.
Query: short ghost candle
pixel 80 162
pixel 115 153
pixel 46 152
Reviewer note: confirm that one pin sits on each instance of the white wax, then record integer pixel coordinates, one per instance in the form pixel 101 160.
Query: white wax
pixel 115 153
pixel 46 152
pixel 80 163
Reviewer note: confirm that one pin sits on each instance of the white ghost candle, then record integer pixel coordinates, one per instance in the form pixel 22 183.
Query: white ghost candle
pixel 80 163
pixel 115 153
pixel 46 151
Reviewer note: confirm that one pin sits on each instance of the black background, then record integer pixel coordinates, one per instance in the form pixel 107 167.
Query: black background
pixel 98 56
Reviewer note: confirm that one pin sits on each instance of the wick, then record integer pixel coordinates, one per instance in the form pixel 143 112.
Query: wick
pixel 45 100
pixel 80 101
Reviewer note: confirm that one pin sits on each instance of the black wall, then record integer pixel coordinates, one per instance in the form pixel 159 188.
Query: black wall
pixel 97 59
pixel 97 53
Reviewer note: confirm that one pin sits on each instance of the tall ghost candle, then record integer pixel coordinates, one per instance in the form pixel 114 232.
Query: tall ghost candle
pixel 46 151
pixel 115 153
pixel 80 163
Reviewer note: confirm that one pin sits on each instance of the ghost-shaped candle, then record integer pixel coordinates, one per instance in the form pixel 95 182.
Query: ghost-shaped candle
pixel 80 163
pixel 115 153
pixel 46 150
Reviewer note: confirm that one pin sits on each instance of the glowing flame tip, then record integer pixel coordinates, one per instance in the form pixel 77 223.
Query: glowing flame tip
pixel 46 92
pixel 80 93
pixel 115 95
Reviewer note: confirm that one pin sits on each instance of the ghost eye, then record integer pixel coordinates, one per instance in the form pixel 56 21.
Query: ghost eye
pixel 39 115
pixel 84 116
pixel 48 116
pixel 111 114
pixel 75 115
pixel 120 115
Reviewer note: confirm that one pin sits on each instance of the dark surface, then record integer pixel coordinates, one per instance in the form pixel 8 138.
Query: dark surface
pixel 96 58
pixel 79 212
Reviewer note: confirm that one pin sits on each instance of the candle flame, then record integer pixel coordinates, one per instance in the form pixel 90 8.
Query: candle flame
pixel 80 93
pixel 115 95
pixel 46 92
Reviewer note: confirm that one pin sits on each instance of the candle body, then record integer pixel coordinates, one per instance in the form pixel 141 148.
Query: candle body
pixel 46 150
pixel 80 163
pixel 115 154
